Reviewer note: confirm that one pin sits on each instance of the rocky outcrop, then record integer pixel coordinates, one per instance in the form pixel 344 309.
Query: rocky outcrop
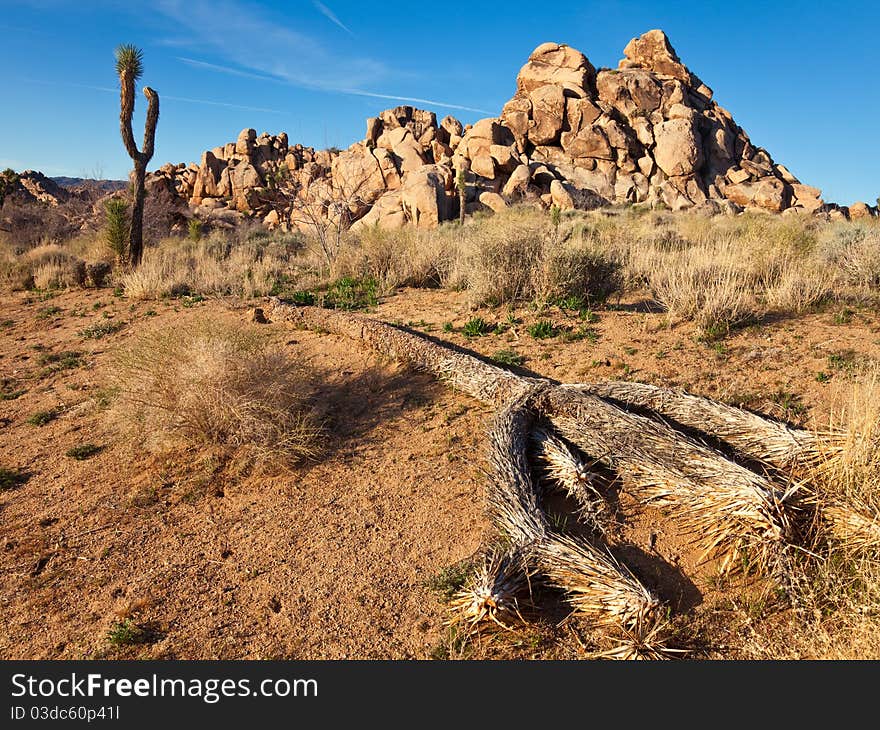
pixel 646 132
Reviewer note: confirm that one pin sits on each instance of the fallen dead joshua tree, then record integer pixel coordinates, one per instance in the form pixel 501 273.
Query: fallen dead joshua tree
pixel 653 439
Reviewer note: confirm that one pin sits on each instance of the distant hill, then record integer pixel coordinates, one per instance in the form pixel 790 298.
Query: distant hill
pixel 80 183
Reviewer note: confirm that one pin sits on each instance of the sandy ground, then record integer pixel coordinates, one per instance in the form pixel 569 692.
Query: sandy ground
pixel 334 559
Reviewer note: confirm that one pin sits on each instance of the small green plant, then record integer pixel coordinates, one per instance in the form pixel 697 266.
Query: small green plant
pixel 555 217
pixel 451 579
pixel 117 226
pixel 844 316
pixel 41 418
pixel 789 403
pixel 447 327
pixel 194 230
pixel 630 350
pixel 125 633
pixel 9 391
pixel 84 451
pixel 542 329
pixel 101 329
pixel 303 298
pixel 7 323
pixel 823 377
pixel 508 357
pixel 12 478
pixel 191 300
pixel 350 294
pixel 47 312
pixel 581 333
pixel 476 327
pixel 844 360
pixel 54 362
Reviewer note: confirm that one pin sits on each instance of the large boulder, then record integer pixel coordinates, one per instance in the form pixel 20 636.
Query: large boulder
pixel 425 196
pixel 548 114
pixel 357 176
pixel 678 150
pixel 653 51
pixel 559 65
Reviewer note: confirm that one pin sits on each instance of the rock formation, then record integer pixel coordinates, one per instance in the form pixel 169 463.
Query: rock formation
pixel 646 132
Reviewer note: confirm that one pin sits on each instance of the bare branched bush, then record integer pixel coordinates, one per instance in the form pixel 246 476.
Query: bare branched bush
pixel 216 384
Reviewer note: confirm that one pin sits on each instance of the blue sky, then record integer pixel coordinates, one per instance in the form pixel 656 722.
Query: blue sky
pixel 802 78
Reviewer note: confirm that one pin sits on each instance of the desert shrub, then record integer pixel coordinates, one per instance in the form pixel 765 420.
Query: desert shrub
pixel 215 384
pixel 708 286
pixel 53 267
pixel 97 273
pixel 854 249
pixel 499 256
pixel 404 257
pixel 840 603
pixel 583 272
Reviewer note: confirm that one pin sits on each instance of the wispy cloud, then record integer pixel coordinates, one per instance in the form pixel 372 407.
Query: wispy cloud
pixel 414 100
pixel 207 102
pixel 331 16
pixel 226 69
pixel 240 35
pixel 262 49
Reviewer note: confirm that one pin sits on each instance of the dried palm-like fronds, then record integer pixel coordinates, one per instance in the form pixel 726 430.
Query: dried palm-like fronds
pixel 751 435
pixel 728 508
pixel 491 593
pixel 596 585
pixel 513 501
pixel 569 471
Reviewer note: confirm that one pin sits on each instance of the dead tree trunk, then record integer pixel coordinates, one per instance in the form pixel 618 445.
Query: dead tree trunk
pixel 640 432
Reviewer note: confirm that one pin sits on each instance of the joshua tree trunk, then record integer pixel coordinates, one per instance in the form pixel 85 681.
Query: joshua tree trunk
pixel 136 232
pixel 654 439
pixel 129 67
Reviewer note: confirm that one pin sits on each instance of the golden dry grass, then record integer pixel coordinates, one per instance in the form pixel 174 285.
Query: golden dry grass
pixel 218 385
pixel 249 266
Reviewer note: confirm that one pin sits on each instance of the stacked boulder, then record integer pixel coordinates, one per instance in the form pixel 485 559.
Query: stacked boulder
pixel 572 136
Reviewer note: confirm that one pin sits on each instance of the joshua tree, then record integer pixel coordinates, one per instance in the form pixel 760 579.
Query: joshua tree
pixel 750 497
pixel 129 67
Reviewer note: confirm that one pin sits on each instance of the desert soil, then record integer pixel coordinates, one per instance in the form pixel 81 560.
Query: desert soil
pixel 335 559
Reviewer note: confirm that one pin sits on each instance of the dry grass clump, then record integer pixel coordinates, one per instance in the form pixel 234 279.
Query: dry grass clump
pixel 848 478
pixel 853 249
pixel 217 384
pixel 50 265
pixel 837 604
pixel 406 257
pixel 252 263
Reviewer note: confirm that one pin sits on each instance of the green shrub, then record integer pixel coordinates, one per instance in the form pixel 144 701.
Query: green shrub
pixel 41 418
